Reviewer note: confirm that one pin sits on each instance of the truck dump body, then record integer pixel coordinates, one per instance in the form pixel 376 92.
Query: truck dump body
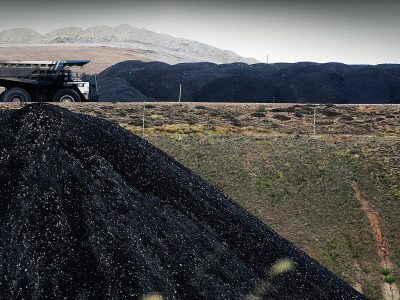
pixel 42 71
pixel 17 72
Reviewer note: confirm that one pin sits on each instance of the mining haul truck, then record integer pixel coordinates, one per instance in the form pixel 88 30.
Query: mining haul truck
pixel 46 81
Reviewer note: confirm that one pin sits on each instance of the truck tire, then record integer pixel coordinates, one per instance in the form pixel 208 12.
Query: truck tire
pixel 67 96
pixel 15 95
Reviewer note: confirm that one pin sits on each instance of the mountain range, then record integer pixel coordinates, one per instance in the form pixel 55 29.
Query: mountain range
pixel 169 49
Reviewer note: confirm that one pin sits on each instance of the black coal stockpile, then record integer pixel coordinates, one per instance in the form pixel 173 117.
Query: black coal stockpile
pixel 239 82
pixel 90 211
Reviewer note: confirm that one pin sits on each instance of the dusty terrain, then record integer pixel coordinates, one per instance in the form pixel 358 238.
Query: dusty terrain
pixel 267 158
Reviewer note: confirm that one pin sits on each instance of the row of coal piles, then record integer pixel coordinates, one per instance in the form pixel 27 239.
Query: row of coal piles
pixel 91 211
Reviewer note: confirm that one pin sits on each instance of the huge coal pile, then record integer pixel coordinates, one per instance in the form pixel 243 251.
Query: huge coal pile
pixel 239 82
pixel 88 210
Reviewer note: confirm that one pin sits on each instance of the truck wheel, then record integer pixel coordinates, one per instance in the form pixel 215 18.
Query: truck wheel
pixel 67 96
pixel 15 95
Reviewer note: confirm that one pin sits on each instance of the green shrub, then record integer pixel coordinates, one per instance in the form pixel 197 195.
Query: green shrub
pixel 390 279
pixel 385 271
pixel 191 121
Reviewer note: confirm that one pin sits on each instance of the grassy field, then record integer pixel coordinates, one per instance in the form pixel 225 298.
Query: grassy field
pixel 302 185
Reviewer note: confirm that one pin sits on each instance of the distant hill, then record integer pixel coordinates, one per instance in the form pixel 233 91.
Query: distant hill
pixel 162 47
pixel 19 36
pixel 240 82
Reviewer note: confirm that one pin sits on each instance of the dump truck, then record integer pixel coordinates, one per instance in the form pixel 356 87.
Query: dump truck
pixel 46 81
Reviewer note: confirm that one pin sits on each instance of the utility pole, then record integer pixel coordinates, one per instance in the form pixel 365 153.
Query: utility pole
pixel 314 123
pixel 180 92
pixel 144 109
pixel 267 59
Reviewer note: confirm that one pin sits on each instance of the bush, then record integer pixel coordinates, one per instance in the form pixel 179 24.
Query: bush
pixel 257 114
pixel 191 121
pixel 135 122
pixel 228 116
pixel 305 110
pixel 236 122
pixel 298 115
pixel 283 109
pixel 390 279
pixel 331 113
pixel 261 108
pixel 281 117
pixel 385 271
pixel 346 118
pixel 324 123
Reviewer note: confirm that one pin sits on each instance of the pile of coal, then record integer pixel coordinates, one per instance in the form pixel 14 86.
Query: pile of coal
pixel 238 82
pixel 91 211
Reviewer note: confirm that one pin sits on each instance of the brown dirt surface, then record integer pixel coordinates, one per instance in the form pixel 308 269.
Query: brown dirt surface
pixel 373 219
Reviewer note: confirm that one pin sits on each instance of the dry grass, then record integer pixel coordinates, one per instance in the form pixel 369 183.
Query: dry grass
pixel 211 118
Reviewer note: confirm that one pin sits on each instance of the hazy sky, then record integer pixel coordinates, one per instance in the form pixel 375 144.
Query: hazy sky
pixel 289 31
